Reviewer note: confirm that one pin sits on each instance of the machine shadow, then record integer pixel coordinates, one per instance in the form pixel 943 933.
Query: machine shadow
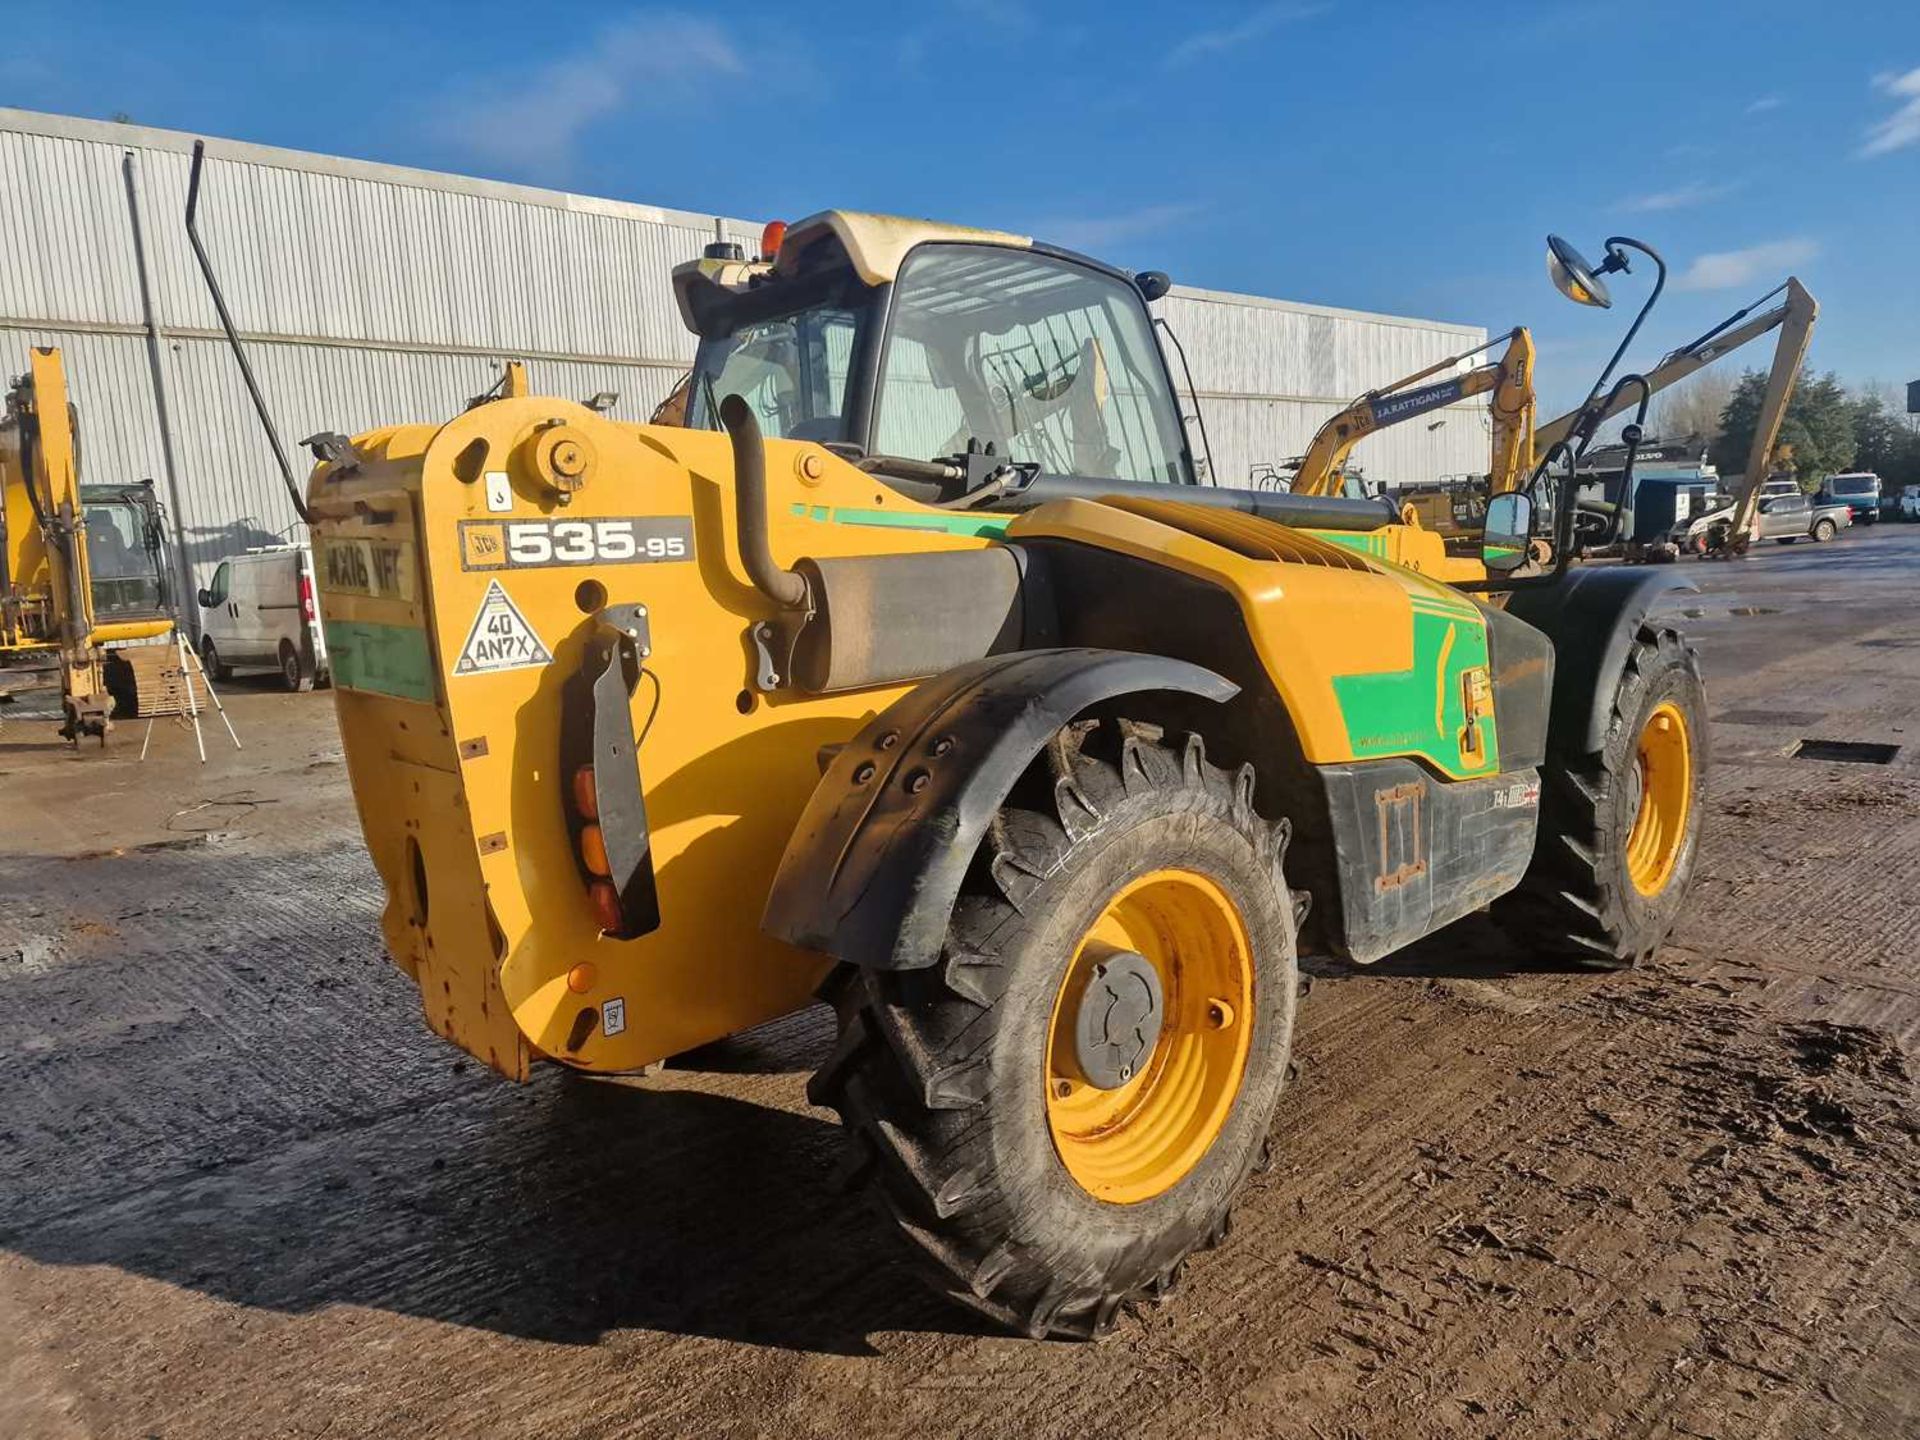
pixel 559 1212
pixel 1472 948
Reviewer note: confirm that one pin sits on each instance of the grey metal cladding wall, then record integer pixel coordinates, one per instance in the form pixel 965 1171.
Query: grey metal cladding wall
pixel 1269 372
pixel 66 252
pixel 320 256
pixel 311 248
pixel 1239 345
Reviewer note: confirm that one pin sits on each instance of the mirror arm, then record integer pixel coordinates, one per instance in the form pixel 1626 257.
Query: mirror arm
pixel 1617 246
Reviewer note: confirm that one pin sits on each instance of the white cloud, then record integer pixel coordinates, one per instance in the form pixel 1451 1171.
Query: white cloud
pixel 1764 104
pixel 1258 22
pixel 1902 128
pixel 1727 269
pixel 530 124
pixel 1095 234
pixel 1681 198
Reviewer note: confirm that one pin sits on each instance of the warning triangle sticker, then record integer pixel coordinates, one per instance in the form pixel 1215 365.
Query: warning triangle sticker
pixel 501 638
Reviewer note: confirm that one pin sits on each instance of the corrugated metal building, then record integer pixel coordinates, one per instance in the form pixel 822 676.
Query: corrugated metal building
pixel 374 294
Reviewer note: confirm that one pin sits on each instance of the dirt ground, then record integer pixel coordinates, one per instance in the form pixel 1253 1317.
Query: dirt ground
pixel 243 1191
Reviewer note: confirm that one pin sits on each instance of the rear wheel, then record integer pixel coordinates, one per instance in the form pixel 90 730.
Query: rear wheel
pixel 1062 1109
pixel 1619 828
pixel 211 662
pixel 1825 530
pixel 294 673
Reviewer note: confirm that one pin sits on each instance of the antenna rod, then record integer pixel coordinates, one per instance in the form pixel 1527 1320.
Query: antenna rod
pixel 233 336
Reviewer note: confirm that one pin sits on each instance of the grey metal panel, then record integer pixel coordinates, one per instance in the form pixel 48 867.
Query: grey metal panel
pixel 1249 435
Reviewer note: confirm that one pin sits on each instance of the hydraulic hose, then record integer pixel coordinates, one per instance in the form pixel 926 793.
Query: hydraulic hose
pixel 786 588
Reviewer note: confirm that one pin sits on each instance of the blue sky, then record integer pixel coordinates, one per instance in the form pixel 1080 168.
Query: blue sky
pixel 1392 156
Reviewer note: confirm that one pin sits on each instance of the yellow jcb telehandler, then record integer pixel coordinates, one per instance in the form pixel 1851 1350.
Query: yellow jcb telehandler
pixel 917 671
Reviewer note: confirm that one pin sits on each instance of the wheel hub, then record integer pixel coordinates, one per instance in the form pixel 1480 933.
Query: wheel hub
pixel 1119 1019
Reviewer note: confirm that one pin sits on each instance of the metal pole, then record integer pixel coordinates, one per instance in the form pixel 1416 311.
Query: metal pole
pixel 162 405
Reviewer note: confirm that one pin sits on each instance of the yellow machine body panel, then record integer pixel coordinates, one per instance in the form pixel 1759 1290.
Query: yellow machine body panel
pixel 457 765
pixel 459 591
pixel 1350 646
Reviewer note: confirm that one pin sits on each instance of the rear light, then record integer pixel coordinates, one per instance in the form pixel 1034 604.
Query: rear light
pixel 584 800
pixel 593 850
pixel 606 904
pixel 306 598
pixel 591 847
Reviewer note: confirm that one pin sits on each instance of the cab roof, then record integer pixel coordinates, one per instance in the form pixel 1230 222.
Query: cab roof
pixel 873 246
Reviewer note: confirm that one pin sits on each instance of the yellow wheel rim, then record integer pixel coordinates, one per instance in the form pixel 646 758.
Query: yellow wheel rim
pixel 1138 1141
pixel 1665 757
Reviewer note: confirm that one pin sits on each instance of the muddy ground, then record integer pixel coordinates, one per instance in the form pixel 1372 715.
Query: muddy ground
pixel 244 1192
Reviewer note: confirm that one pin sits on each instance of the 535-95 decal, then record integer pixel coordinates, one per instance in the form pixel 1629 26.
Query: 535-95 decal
pixel 623 540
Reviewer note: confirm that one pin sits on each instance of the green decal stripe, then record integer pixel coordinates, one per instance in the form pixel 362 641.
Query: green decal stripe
pixel 1367 544
pixel 994 525
pixel 387 659
pixel 1393 713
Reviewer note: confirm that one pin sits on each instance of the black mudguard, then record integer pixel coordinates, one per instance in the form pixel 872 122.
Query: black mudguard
pixel 874 867
pixel 1592 616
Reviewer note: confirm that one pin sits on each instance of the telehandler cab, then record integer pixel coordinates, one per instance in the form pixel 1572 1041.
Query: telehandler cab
pixel 919 672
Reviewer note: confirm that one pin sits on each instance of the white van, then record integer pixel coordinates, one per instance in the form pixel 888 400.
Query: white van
pixel 261 610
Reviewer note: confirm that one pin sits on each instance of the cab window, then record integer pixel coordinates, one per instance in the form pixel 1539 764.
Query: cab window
pixel 222 580
pixel 1049 361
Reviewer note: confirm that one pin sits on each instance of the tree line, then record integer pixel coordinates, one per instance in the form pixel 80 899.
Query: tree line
pixel 1828 427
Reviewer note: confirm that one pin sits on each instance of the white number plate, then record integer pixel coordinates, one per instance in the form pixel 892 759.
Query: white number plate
pixel 524 544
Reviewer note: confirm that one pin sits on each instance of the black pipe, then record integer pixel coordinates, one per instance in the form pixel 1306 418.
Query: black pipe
pixel 1303 512
pixel 233 336
pixel 786 588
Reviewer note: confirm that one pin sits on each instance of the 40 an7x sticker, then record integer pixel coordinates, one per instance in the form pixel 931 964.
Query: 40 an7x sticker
pixel 619 540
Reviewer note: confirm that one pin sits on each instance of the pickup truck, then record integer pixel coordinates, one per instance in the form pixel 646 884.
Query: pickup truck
pixel 1785 517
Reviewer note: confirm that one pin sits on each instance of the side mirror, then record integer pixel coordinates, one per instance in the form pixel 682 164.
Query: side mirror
pixel 1573 277
pixel 1153 284
pixel 1503 543
pixel 207 601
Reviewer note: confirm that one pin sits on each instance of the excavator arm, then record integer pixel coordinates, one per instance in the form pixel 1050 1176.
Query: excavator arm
pixel 1509 379
pixel 1794 318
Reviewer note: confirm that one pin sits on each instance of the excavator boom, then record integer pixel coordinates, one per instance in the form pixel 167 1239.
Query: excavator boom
pixel 1509 379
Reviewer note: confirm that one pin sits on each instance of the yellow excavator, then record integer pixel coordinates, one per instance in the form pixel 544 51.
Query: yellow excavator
pixel 83 568
pixel 1509 380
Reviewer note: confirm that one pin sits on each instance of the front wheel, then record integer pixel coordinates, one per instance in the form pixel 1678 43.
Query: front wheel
pixel 1063 1108
pixel 1619 828
pixel 1825 530
pixel 211 662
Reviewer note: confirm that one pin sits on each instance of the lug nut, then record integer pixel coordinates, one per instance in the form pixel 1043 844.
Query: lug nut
pixel 864 773
pixel 916 782
pixel 1062 1089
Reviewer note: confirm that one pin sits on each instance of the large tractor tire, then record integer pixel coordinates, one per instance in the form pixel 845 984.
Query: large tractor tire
pixel 1063 1108
pixel 1620 828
